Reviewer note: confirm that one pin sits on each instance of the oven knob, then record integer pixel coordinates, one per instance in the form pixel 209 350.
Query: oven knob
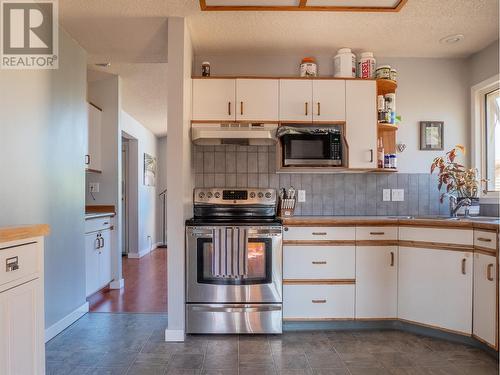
pixel 252 195
pixel 217 195
pixel 209 195
pixel 268 195
pixel 201 195
pixel 260 195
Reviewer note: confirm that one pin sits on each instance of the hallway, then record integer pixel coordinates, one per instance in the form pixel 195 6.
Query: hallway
pixel 145 288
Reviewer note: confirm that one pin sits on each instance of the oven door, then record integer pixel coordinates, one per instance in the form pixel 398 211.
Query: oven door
pixel 234 264
pixel 308 149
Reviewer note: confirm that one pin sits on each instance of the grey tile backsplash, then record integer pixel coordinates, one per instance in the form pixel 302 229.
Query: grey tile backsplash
pixel 344 194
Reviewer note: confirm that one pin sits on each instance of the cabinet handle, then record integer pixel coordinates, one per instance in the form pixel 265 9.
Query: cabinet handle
pixel 87 159
pixel 489 272
pixel 97 243
pixel 229 108
pixel 464 262
pixel 319 262
pixel 318 301
pixel 482 239
pixel 371 155
pixel 241 108
pixel 319 233
pixel 319 109
pixel 392 258
pixel 105 223
pixel 377 233
pixel 102 242
pixel 307 108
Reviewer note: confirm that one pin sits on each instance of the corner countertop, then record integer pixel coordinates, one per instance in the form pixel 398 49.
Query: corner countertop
pixel 22 232
pixel 424 221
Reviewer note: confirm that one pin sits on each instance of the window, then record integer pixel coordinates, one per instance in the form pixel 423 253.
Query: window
pixel 492 140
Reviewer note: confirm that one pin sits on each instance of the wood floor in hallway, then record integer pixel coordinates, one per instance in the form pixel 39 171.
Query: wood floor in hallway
pixel 145 288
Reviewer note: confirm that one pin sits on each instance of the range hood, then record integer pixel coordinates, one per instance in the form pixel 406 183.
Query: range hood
pixel 234 133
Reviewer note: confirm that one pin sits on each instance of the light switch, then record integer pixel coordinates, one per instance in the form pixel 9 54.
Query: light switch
pixel 398 195
pixel 301 196
pixel 94 187
pixel 386 195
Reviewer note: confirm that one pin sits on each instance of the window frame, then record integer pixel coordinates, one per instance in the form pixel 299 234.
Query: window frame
pixel 478 133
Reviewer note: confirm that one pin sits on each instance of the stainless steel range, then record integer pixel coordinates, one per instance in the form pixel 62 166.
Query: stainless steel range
pixel 234 262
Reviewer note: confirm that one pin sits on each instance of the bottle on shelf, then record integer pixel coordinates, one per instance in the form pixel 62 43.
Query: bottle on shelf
pixel 380 153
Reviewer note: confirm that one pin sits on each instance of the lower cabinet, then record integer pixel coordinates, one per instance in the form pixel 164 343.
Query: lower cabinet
pixel 97 261
pixel 376 282
pixel 435 288
pixel 318 302
pixel 485 298
pixel 22 349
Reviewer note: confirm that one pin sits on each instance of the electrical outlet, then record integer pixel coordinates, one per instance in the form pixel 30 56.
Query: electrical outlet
pixel 386 195
pixel 94 187
pixel 398 195
pixel 301 197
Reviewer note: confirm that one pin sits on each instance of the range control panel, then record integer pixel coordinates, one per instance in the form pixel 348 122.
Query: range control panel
pixel 217 196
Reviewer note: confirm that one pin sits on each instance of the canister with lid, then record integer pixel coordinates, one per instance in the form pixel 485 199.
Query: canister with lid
pixel 383 72
pixel 366 65
pixel 394 74
pixel 308 67
pixel 205 69
pixel 344 64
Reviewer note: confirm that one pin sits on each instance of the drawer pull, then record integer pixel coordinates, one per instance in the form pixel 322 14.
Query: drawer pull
pixel 105 223
pixel 482 239
pixel 464 262
pixel 319 233
pixel 11 264
pixel 319 262
pixel 318 301
pixel 489 272
pixel 377 233
pixel 392 258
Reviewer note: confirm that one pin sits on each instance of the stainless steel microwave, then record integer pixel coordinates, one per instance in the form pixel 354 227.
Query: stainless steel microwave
pixel 312 145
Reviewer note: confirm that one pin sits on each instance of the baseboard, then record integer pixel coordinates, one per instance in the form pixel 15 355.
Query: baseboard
pixel 65 322
pixel 117 284
pixel 174 335
pixel 139 255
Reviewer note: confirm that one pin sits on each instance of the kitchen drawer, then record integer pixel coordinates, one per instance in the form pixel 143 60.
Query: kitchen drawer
pixel 319 262
pixel 28 260
pixel 319 233
pixel 437 235
pixel 486 240
pixel 100 223
pixel 318 302
pixel 376 233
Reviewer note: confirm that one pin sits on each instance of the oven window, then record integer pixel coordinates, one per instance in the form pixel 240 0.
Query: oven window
pixel 257 269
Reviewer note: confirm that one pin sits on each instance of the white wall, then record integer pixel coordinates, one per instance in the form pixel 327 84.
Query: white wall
pixel 484 64
pixel 147 198
pixel 43 122
pixel 162 184
pixel 428 89
pixel 180 178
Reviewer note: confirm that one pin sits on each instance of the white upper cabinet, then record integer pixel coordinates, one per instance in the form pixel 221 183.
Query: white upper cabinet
pixel 485 301
pixel 257 100
pixel 214 99
pixel 93 150
pixel 361 122
pixel 329 100
pixel 296 100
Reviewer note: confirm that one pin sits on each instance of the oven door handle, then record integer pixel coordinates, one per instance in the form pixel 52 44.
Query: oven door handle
pixel 231 309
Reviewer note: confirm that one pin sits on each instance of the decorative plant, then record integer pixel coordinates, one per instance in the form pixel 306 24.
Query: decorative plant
pixel 460 182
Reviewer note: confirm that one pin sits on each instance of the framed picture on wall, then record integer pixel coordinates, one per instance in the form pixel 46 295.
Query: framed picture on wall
pixel 431 135
pixel 149 170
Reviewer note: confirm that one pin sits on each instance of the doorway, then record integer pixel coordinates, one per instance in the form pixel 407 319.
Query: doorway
pixel 125 188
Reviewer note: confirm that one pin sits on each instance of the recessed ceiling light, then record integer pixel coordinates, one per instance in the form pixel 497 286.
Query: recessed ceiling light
pixel 451 39
pixel 104 65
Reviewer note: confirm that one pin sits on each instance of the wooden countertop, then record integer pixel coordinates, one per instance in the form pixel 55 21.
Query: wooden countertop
pixel 100 209
pixel 440 222
pixel 21 232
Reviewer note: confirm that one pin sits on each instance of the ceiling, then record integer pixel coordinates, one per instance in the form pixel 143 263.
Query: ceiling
pixel 135 31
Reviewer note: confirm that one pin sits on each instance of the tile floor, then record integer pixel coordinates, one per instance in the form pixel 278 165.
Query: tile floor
pixel 116 344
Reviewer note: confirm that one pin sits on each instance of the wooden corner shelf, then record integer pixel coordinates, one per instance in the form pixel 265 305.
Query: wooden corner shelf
pixel 386 86
pixel 387 127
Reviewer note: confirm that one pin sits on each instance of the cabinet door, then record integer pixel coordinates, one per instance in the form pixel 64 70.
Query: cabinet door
pixel 91 263
pixel 93 158
pixel 485 298
pixel 257 99
pixel 296 100
pixel 329 100
pixel 361 123
pixel 214 99
pixel 435 288
pixel 22 344
pixel 376 281
pixel 105 259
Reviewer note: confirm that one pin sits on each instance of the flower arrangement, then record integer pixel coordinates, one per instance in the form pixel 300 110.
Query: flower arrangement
pixel 460 182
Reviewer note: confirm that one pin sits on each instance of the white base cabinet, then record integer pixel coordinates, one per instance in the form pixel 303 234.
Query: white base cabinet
pixel 485 298
pixel 97 261
pixel 376 282
pixel 435 288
